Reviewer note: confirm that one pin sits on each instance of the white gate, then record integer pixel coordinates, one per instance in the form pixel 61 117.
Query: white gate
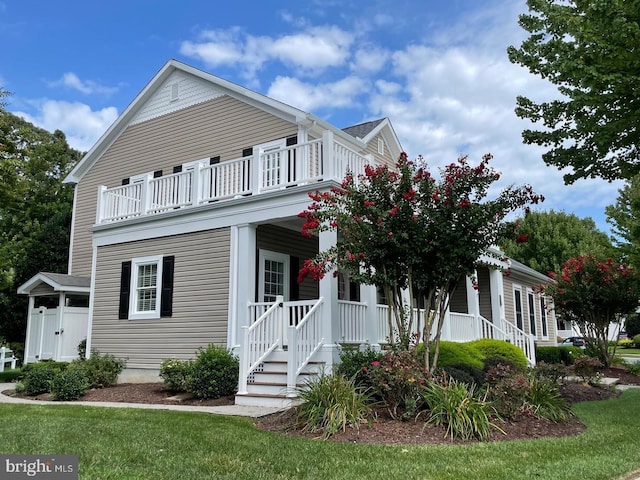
pixel 54 333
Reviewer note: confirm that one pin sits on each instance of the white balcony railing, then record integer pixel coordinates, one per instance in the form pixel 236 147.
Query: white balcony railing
pixel 273 170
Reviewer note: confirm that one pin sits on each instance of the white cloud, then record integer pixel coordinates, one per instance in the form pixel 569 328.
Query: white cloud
pixel 88 87
pixel 312 50
pixel 309 97
pixel 81 125
pixel 369 58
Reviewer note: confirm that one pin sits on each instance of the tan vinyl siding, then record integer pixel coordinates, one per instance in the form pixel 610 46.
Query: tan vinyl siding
pixel 200 299
pixel 223 126
pixel 290 242
pixel 372 149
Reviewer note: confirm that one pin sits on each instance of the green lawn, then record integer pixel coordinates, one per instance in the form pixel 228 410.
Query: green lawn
pixel 146 444
pixel 627 351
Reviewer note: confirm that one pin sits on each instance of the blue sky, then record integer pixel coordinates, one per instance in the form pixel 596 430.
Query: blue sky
pixel 438 69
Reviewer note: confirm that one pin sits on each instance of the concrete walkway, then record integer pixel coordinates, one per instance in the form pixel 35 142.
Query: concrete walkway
pixel 237 410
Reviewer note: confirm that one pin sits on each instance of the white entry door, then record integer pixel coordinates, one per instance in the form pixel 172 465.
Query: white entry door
pixel 273 277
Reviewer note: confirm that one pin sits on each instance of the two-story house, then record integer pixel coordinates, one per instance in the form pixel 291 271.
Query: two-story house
pixel 186 232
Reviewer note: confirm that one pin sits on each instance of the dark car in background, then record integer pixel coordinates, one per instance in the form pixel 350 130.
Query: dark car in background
pixel 573 342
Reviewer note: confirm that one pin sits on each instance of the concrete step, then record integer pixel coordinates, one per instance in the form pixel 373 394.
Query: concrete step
pixel 266 400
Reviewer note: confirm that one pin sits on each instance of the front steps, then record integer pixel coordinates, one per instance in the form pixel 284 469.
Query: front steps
pixel 267 385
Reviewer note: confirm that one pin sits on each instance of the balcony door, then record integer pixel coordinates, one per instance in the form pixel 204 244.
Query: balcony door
pixel 273 164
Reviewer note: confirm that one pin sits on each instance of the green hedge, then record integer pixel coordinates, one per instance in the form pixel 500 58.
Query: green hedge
pixel 476 352
pixel 455 353
pixel 565 355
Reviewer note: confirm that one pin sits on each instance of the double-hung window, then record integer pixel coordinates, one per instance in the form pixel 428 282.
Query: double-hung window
pixel 146 288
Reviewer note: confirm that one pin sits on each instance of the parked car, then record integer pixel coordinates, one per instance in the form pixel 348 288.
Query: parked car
pixel 573 342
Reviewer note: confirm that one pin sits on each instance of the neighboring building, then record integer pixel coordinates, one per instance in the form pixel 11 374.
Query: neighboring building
pixel 185 228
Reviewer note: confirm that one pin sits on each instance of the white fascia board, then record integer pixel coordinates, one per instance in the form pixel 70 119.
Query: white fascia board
pixel 264 208
pixel 388 134
pixel 25 288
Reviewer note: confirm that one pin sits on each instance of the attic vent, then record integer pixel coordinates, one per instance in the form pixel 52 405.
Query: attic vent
pixel 174 92
pixel 380 146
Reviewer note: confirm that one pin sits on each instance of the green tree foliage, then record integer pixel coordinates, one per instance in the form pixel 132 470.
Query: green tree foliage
pixel 593 294
pixel 405 229
pixel 35 212
pixel 589 49
pixel 548 239
pixel 624 218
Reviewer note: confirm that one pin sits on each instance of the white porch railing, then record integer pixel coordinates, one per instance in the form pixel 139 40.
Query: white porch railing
pixel 521 339
pixel 259 339
pixel 294 165
pixel 295 325
pixel 305 339
pixel 352 321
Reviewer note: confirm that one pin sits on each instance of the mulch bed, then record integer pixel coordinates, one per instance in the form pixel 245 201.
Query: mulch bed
pixel 384 430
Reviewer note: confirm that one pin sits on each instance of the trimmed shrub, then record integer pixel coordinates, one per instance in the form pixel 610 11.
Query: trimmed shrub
pixel 627 342
pixel 490 348
pixel 38 380
pixel 69 384
pixel 636 340
pixel 397 380
pixel 354 363
pixel 10 375
pixel 453 353
pixel 215 373
pixel 566 355
pixel 331 403
pixel 100 370
pixel 632 325
pixel 176 374
pixel 45 364
pixel 456 405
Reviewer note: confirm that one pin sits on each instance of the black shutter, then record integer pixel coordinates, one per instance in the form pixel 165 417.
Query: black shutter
pixel 247 152
pixel 125 181
pixel 294 287
pixel 125 284
pixel 157 173
pixel 292 140
pixel 177 169
pixel 166 292
pixel 214 160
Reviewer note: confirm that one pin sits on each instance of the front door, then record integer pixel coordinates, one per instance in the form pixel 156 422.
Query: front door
pixel 273 278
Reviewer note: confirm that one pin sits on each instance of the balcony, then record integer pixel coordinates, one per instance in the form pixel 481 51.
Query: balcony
pixel 201 183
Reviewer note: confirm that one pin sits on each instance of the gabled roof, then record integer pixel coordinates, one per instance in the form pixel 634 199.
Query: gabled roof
pixel 368 130
pixel 522 268
pixel 287 112
pixel 58 281
pixel 362 129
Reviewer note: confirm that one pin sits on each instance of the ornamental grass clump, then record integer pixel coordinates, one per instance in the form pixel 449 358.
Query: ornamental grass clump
pixel 460 408
pixel 330 404
pixel 543 400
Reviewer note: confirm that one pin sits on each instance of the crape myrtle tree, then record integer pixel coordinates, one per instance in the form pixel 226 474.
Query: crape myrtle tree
pixel 589 50
pixel 403 229
pixel 593 293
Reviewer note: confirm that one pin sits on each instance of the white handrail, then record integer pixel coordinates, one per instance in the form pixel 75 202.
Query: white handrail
pixel 259 340
pixel 304 340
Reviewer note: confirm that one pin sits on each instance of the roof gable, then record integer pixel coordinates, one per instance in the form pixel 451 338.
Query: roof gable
pixel 58 282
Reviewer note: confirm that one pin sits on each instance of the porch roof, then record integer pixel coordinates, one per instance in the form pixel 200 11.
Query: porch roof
pixel 59 282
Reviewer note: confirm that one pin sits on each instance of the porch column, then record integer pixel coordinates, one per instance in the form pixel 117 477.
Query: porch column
pixel 496 286
pixel 473 305
pixel 329 292
pixel 242 275
pixel 27 341
pixel 369 295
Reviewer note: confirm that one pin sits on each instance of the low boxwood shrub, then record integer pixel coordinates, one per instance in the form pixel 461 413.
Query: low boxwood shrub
pixel 492 348
pixel 45 364
pixel 565 355
pixel 176 374
pixel 636 340
pixel 215 373
pixel 354 363
pixel 69 384
pixel 100 370
pixel 626 342
pixel 331 403
pixel 38 380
